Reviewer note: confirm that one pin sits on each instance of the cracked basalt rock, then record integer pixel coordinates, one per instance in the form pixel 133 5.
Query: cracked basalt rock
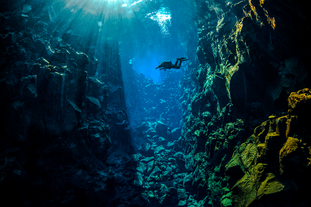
pixel 246 44
pixel 161 177
pixel 63 119
pixel 272 167
pixel 250 59
pixel 56 137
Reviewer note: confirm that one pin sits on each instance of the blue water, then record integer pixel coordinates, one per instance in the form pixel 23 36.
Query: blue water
pixel 147 31
pixel 147 64
pixel 109 84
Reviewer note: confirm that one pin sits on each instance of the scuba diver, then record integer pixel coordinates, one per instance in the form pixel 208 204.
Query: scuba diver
pixel 169 65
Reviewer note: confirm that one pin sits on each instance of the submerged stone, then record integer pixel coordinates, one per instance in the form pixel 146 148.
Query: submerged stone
pixel 274 156
pixel 161 129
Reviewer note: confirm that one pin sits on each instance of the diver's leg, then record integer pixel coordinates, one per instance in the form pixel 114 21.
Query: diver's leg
pixel 177 65
pixel 180 61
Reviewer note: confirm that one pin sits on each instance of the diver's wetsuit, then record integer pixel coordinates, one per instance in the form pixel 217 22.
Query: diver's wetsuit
pixel 168 64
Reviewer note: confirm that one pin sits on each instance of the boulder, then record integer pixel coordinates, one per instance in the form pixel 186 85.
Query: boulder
pixel 93 104
pixel 161 129
pixel 175 134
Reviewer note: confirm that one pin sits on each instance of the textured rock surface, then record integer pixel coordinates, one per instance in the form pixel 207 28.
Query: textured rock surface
pixel 60 128
pixel 275 160
pixel 251 55
pixel 67 133
pixel 245 47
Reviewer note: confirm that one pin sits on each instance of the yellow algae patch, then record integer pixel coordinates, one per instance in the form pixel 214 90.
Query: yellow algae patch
pixel 239 26
pixel 270 20
pixel 253 8
pixel 270 185
pixel 301 96
pixel 291 145
pixel 279 148
pixel 227 69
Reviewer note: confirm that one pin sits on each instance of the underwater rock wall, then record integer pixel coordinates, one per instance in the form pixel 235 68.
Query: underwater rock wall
pixel 252 54
pixel 272 168
pixel 66 138
pixel 247 45
pixel 59 118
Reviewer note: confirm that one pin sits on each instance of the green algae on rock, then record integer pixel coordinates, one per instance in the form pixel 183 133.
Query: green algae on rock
pixel 275 160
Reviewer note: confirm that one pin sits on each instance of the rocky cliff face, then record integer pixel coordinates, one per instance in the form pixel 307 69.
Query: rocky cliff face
pixel 252 54
pixel 272 167
pixel 65 129
pixel 58 117
pixel 254 43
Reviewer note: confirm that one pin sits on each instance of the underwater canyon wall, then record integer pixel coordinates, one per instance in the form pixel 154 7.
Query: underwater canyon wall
pixel 252 55
pixel 272 168
pixel 65 128
pixel 63 122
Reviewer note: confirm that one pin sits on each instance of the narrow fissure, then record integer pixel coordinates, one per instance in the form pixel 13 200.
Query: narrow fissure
pixel 134 103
